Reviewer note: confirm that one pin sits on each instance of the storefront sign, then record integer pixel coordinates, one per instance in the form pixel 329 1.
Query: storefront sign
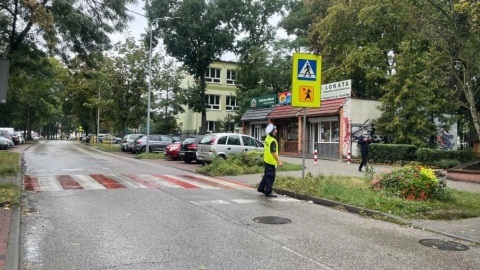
pixel 284 98
pixel 265 101
pixel 337 90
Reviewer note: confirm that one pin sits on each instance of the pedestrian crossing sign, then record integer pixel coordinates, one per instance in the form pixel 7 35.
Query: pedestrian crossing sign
pixel 307 69
pixel 306 80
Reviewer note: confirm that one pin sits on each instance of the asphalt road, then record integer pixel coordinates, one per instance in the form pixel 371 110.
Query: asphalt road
pixel 87 209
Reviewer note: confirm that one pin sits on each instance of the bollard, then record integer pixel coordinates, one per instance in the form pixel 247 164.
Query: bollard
pixel 348 157
pixel 315 157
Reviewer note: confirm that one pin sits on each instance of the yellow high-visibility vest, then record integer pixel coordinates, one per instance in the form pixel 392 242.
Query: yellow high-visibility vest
pixel 267 154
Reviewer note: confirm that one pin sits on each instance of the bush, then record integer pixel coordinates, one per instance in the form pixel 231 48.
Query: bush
pixel 428 156
pixel 411 182
pixel 446 163
pixel 391 153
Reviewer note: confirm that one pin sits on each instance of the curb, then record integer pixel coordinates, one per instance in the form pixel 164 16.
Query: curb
pixel 373 213
pixel 12 260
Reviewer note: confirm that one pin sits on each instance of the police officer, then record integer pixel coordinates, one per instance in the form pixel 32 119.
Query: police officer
pixel 270 156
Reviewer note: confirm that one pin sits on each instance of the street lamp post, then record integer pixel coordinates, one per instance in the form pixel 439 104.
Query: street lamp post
pixel 147 148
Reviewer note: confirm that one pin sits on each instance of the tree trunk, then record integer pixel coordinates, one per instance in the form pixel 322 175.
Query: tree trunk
pixel 470 96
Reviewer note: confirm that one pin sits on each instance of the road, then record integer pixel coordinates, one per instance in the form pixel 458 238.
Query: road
pixel 86 209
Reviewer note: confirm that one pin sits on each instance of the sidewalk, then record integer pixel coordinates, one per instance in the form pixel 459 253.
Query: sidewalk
pixel 466 229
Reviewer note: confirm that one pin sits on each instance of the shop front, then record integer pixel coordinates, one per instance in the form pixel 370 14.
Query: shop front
pixel 285 118
pixel 255 121
pixel 324 128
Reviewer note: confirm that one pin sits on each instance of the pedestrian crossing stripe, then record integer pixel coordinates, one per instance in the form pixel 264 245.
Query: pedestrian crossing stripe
pixel 124 181
pixel 306 70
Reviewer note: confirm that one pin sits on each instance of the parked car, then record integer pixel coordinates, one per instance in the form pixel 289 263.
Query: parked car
pixel 188 148
pixel 157 143
pixel 6 135
pixel 20 136
pixel 111 139
pixel 4 144
pixel 224 144
pixel 128 142
pixel 172 150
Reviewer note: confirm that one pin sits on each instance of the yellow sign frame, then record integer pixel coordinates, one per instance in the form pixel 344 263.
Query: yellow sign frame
pixel 306 80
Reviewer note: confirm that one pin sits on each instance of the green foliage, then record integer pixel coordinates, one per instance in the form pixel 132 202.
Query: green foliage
pixel 429 156
pixel 245 163
pixel 446 163
pixel 391 153
pixel 411 183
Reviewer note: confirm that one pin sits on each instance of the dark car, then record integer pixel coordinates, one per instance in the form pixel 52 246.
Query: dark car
pixel 129 141
pixel 188 148
pixel 156 142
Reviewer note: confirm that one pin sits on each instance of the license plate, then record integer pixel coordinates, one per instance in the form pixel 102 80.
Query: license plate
pixel 181 154
pixel 200 158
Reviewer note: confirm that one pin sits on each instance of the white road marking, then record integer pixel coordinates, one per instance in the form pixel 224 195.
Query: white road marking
pixel 225 183
pixel 193 182
pixel 88 182
pixel 125 181
pixel 49 183
pixel 210 202
pixel 159 181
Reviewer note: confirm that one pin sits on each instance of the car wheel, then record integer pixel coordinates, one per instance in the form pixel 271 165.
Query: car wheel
pixel 123 150
pixel 142 150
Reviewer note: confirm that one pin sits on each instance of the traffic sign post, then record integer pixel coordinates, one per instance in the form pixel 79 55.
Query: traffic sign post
pixel 306 88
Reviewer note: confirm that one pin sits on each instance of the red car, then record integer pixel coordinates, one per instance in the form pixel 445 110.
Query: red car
pixel 172 150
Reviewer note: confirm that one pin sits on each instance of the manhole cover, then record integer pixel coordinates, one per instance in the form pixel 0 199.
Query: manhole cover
pixel 443 245
pixel 272 220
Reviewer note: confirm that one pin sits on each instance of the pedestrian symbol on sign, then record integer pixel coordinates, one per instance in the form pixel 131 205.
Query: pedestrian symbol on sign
pixel 306 70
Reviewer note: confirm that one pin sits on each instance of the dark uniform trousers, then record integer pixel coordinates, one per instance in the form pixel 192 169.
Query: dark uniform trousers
pixel 266 185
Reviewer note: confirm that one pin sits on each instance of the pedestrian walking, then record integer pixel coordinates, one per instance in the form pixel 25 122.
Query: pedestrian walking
pixel 364 143
pixel 272 160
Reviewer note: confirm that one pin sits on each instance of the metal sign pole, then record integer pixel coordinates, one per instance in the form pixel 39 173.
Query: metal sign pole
pixel 303 140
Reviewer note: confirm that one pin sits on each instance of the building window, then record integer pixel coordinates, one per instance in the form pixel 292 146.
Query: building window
pixel 231 103
pixel 212 75
pixel 211 126
pixel 212 102
pixel 231 76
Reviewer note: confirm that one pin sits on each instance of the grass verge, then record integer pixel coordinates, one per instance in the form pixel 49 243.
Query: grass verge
pixel 150 156
pixel 9 167
pixel 356 191
pixel 108 147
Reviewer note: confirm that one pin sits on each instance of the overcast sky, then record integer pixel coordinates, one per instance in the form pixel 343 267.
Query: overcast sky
pixel 140 23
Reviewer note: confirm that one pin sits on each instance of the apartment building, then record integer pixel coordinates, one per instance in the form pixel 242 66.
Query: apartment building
pixel 220 97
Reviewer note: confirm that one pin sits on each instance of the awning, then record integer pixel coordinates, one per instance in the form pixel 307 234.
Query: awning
pixel 284 111
pixel 327 107
pixel 256 114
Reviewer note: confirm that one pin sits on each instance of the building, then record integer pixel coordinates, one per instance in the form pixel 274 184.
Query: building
pixel 330 129
pixel 220 97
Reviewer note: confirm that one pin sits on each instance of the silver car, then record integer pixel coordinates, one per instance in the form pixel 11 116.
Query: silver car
pixel 224 144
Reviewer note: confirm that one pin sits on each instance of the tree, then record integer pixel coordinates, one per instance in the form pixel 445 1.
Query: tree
pixel 453 27
pixel 417 98
pixel 202 32
pixel 62 26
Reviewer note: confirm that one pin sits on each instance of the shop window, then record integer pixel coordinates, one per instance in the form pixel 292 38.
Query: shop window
pixel 292 132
